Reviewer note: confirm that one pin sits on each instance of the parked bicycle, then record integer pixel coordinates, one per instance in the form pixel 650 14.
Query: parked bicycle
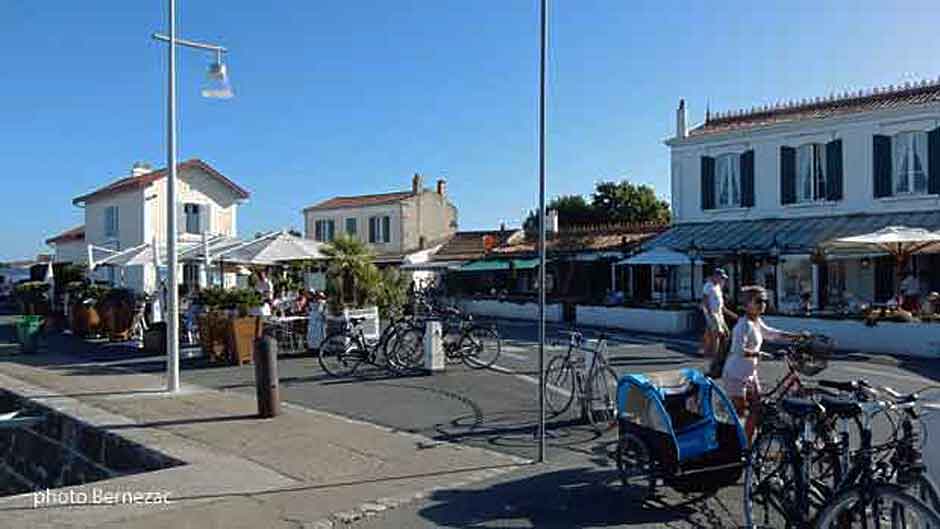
pixel 806 472
pixel 342 353
pixel 584 374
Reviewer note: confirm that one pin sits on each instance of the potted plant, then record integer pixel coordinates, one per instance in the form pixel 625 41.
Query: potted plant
pixel 32 297
pixel 242 328
pixel 116 308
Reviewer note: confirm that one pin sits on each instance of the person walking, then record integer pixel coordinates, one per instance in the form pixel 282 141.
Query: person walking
pixel 316 322
pixel 739 375
pixel 716 329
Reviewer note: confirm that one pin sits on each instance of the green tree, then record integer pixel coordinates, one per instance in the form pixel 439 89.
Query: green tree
pixel 349 263
pixel 626 202
pixel 572 209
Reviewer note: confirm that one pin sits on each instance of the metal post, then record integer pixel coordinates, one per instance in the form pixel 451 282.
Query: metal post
pixel 172 323
pixel 543 45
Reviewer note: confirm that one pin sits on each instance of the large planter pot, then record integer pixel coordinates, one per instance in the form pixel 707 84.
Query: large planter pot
pixel 213 336
pixel 85 320
pixel 242 334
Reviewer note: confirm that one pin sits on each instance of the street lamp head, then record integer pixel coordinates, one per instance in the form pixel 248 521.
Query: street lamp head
pixel 217 85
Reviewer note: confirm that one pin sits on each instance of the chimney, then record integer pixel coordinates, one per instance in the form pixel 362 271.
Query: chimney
pixel 681 128
pixel 441 186
pixel 416 183
pixel 141 168
pixel 551 221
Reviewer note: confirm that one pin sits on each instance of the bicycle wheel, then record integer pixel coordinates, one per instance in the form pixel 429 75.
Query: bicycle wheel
pixel 926 491
pixel 601 399
pixel 479 347
pixel 636 467
pixel 770 482
pixel 879 507
pixel 339 355
pixel 559 385
pixel 405 352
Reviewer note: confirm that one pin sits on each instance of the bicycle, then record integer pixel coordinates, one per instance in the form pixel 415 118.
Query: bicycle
pixel 463 340
pixel 568 376
pixel 343 352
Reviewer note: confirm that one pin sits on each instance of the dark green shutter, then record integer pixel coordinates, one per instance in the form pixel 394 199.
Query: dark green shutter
pixel 787 175
pixel 933 161
pixel 747 179
pixel 708 182
pixel 386 229
pixel 881 165
pixel 834 170
pixel 372 229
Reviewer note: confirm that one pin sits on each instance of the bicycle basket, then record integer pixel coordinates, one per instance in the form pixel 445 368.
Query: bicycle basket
pixel 811 357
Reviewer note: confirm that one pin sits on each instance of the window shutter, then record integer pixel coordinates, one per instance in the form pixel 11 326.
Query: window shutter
pixel 834 170
pixel 881 165
pixel 372 230
pixel 747 179
pixel 933 161
pixel 787 175
pixel 386 229
pixel 205 218
pixel 180 218
pixel 708 182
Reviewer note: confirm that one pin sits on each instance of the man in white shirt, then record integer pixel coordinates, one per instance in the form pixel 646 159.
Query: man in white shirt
pixel 713 307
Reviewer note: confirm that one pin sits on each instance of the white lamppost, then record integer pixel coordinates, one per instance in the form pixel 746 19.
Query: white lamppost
pixel 217 87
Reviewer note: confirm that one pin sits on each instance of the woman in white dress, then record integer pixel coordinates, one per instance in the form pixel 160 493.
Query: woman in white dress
pixel 316 323
pixel 740 374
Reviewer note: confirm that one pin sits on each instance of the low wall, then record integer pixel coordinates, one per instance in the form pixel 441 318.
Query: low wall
pixel 910 339
pixel 492 308
pixel 637 319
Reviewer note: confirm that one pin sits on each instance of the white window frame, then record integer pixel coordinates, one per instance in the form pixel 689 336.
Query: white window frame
pixel 906 151
pixel 377 228
pixel 320 231
pixel 728 174
pixel 112 225
pixel 811 170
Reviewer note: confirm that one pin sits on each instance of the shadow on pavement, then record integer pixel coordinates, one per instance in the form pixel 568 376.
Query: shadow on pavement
pixel 572 497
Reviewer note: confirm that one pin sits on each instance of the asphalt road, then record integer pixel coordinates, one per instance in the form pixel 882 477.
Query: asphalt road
pixel 497 409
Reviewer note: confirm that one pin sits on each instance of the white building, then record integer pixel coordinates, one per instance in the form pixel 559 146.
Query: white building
pixel 758 190
pixel 132 211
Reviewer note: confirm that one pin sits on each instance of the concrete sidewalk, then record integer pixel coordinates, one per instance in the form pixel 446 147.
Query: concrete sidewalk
pixel 303 469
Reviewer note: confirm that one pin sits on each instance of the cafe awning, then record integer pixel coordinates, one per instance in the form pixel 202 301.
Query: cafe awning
pixel 658 256
pixel 500 265
pixel 793 235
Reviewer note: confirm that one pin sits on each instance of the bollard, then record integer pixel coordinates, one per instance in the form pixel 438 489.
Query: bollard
pixel 433 347
pixel 265 358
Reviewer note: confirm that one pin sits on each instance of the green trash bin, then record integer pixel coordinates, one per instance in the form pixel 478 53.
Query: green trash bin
pixel 28 333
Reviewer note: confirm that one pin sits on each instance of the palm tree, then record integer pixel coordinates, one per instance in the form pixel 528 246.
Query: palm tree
pixel 350 262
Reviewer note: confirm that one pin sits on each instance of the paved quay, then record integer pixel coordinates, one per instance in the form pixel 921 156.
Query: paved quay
pixel 303 469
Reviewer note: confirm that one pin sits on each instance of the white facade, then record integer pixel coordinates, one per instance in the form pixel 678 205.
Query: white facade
pixel 856 132
pixel 135 216
pixel 70 252
pixel 360 216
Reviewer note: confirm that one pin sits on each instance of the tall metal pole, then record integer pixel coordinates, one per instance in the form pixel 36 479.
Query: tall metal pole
pixel 172 320
pixel 543 44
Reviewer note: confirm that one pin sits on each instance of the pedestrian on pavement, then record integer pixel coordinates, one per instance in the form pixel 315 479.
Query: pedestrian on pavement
pixel 316 322
pixel 739 375
pixel 910 292
pixel 713 307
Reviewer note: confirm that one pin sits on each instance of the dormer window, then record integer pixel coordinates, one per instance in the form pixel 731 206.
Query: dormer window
pixel 728 181
pixel 811 172
pixel 909 154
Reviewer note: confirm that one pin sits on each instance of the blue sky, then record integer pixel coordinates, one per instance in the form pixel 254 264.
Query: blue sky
pixel 348 97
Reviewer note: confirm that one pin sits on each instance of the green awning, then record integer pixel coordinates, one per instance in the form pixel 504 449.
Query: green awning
pixel 502 265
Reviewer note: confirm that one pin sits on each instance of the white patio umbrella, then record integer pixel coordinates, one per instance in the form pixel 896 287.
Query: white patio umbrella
pixel 901 242
pixel 274 248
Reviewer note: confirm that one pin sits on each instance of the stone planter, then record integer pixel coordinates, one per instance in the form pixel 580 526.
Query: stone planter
pixel 893 338
pixel 493 308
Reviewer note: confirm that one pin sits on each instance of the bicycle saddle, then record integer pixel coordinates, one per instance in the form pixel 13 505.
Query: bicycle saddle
pixel 357 320
pixel 840 407
pixel 801 408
